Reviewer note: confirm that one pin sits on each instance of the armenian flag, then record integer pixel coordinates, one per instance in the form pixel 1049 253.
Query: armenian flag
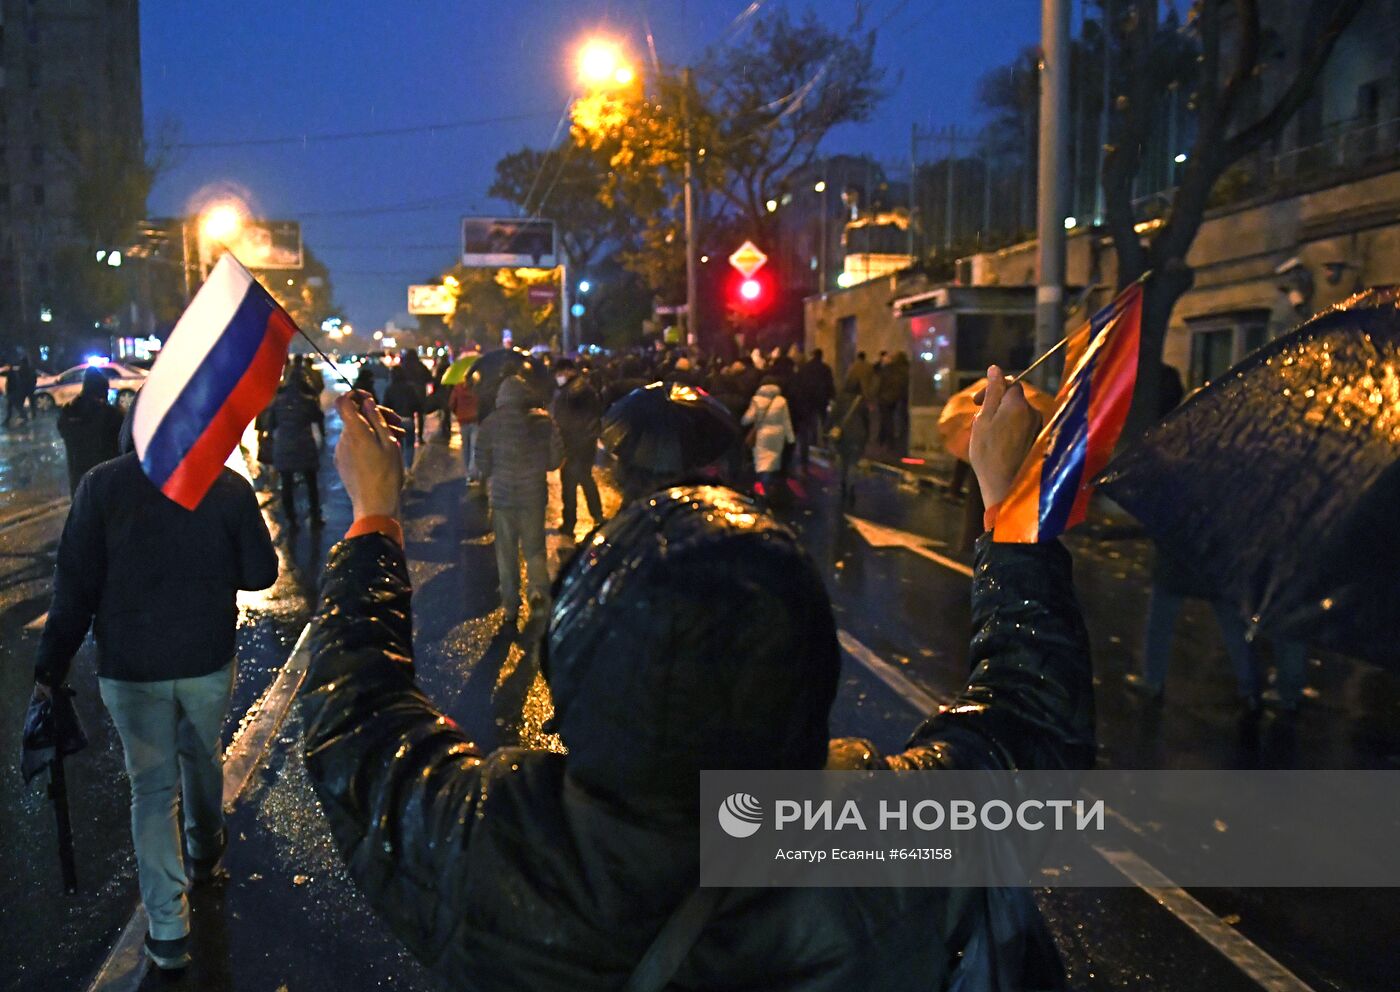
pixel 219 369
pixel 1051 492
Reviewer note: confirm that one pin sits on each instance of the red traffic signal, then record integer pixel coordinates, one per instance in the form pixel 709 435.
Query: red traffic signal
pixel 750 289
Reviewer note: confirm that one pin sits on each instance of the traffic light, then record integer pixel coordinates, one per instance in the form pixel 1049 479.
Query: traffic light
pixel 750 295
pixel 751 289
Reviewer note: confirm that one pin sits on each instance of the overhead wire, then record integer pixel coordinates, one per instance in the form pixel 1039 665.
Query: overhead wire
pixel 304 139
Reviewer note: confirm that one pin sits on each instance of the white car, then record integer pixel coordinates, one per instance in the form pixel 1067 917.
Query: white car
pixel 124 381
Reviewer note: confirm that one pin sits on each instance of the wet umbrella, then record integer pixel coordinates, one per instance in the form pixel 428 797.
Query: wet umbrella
pixel 667 430
pixel 1280 482
pixel 955 420
pixel 52 732
pixel 494 367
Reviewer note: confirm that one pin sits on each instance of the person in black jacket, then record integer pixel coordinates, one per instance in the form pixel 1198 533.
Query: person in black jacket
pixel 578 413
pixel 158 585
pixel 401 396
pixel 90 428
pixel 295 419
pixel 694 632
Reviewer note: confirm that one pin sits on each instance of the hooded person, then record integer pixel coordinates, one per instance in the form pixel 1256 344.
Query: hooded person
pixel 295 417
pixel 90 427
pixel 692 632
pixel 578 413
pixel 517 447
pixel 771 433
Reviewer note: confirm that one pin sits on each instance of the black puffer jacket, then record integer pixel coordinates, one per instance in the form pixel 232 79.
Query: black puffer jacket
pixel 531 869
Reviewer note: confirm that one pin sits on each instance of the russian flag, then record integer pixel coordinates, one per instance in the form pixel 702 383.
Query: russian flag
pixel 219 369
pixel 1051 492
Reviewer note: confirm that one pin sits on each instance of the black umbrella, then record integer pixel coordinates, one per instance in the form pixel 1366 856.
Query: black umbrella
pixel 1280 481
pixel 666 430
pixel 52 731
pixel 494 367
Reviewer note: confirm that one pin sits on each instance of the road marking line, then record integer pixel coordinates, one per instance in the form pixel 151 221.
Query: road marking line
pixel 881 536
pixel 126 964
pixel 1238 949
pixel 888 674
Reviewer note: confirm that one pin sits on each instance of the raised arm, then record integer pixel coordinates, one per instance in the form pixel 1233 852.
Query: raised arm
pixel 1029 703
pixel 397 779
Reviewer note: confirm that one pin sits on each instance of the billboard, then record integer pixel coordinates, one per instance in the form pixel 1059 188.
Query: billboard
pixel 259 244
pixel 508 242
pixel 431 299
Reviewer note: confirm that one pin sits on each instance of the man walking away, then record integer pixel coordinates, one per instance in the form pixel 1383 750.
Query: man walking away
pixel 295 452
pixel 90 428
pixel 812 390
pixel 420 377
pixel 402 397
pixel 464 408
pixel 578 413
pixel 517 447
pixel 772 432
pixel 20 382
pixel 158 584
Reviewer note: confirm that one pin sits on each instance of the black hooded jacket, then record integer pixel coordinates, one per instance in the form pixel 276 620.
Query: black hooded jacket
pixel 90 428
pixel 534 869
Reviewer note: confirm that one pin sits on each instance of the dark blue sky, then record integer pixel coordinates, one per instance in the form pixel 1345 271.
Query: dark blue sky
pixel 384 211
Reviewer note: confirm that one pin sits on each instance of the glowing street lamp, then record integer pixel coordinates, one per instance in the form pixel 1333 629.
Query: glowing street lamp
pixel 221 223
pixel 601 63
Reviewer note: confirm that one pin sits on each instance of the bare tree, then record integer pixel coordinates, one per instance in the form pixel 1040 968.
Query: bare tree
pixel 1225 134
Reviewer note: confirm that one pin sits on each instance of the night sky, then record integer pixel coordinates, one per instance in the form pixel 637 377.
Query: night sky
pixel 383 211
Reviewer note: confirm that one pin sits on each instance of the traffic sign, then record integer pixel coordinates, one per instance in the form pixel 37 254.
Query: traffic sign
pixel 542 294
pixel 747 259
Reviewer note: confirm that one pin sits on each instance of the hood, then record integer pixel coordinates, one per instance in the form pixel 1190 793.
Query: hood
pixel 514 392
pixel 692 632
pixel 769 390
pixel 95 385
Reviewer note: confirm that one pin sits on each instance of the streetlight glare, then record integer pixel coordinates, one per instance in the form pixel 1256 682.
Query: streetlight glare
pixel 601 63
pixel 221 222
pixel 820 187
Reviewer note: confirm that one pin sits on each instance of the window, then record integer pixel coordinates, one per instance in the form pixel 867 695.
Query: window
pixel 38 195
pixel 1219 342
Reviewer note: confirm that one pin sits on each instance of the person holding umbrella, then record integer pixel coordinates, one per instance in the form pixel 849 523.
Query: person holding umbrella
pixel 158 585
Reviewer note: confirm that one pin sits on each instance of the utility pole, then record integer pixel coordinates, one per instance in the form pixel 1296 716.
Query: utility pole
pixel 1101 208
pixel 692 272
pixel 913 180
pixel 566 313
pixel 1054 161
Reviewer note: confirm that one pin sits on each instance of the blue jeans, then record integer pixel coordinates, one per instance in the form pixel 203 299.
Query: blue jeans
pixel 1162 612
pixel 170 735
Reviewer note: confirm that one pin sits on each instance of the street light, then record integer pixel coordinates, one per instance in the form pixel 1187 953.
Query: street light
pixel 601 63
pixel 221 223
pixel 820 187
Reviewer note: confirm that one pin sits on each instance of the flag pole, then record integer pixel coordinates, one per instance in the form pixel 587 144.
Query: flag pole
pixel 1011 380
pixel 330 361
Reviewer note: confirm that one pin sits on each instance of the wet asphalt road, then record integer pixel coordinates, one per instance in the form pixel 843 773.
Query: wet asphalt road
pixel 288 917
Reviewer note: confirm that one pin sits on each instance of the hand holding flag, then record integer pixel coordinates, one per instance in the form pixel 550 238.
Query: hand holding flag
pixel 1051 492
pixel 1002 434
pixel 219 369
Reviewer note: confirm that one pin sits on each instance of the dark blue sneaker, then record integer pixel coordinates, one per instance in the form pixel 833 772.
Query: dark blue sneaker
pixel 169 955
